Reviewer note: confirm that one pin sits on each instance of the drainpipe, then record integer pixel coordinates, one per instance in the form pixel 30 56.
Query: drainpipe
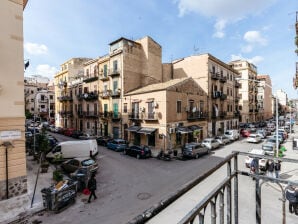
pixel 6 145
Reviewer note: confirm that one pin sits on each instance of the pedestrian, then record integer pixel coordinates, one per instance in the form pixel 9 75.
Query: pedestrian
pixel 277 168
pixel 270 168
pixel 292 197
pixel 253 165
pixel 92 187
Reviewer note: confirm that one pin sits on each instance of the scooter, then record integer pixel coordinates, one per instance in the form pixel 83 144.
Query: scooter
pixel 164 156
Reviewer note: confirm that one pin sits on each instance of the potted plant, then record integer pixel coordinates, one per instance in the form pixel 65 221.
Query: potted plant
pixel 57 176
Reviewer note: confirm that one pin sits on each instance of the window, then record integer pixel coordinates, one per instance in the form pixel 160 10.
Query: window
pixel 201 105
pixel 87 72
pixel 115 110
pixel 105 70
pixel 125 108
pixel 213 69
pixel 115 86
pixel 51 97
pixel 95 108
pixel 179 108
pixel 150 110
pixel 115 65
pixel 240 107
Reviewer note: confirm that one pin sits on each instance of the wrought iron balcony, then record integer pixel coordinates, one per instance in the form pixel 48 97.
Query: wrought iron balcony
pixel 198 115
pixel 105 94
pixel 103 77
pixel 237 114
pixel 115 93
pixel 80 96
pixel 90 114
pixel 222 79
pixel 105 114
pixel 216 94
pixel 91 96
pixel 135 116
pixel 115 116
pixel 90 79
pixel 223 96
pixel 65 113
pixel 222 114
pixel 64 98
pixel 215 76
pixel 151 116
pixel 114 72
pixel 237 98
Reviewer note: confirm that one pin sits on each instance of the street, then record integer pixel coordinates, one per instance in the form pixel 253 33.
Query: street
pixel 127 186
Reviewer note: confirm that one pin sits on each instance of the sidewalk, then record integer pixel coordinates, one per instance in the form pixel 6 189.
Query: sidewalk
pixel 18 207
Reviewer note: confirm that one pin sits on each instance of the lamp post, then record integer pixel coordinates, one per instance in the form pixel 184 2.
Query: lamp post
pixel 276 114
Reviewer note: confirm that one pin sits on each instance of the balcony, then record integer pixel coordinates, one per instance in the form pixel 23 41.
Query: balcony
pixel 237 98
pixel 216 94
pixel 80 114
pixel 90 114
pixel 237 84
pixel 215 76
pixel 222 114
pixel 196 116
pixel 104 78
pixel 105 94
pixel 64 98
pixel 90 79
pixel 105 115
pixel 65 113
pixel 151 116
pixel 115 116
pixel 80 96
pixel 91 96
pixel 237 114
pixel 223 96
pixel 114 72
pixel 135 116
pixel 223 79
pixel 43 101
pixel 116 93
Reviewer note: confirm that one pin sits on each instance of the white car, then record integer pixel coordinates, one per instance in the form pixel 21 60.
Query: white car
pixel 232 134
pixel 223 140
pixel 262 162
pixel 211 143
pixel 254 138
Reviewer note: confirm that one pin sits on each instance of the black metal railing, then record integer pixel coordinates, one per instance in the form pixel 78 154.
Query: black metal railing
pixel 221 204
pixel 198 115
pixel 135 116
pixel 150 116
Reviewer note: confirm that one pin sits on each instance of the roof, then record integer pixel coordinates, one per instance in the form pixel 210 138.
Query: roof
pixel 159 86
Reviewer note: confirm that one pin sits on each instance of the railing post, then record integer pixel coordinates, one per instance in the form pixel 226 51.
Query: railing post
pixel 201 218
pixel 229 194
pixel 221 208
pixel 236 189
pixel 258 194
pixel 213 212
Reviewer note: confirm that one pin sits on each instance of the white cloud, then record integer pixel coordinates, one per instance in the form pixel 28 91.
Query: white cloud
pixel 254 60
pixel 247 48
pixel 254 37
pixel 228 10
pixel 219 27
pixel 46 70
pixel 35 49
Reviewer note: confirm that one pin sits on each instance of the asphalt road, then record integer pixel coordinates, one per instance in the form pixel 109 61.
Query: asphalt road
pixel 127 186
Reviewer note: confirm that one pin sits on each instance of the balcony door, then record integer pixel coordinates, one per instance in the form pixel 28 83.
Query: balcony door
pixel 115 110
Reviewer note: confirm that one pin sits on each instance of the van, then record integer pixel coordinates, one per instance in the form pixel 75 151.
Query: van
pixel 232 134
pixel 73 149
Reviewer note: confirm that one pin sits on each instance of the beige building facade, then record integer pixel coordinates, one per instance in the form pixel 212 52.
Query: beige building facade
pixel 218 80
pixel 13 176
pixel 264 98
pixel 248 92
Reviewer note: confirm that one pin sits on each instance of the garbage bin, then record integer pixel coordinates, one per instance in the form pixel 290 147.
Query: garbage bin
pixel 59 196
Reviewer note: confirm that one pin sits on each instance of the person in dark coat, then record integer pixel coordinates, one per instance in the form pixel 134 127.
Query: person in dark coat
pixel 92 187
pixel 292 197
pixel 277 168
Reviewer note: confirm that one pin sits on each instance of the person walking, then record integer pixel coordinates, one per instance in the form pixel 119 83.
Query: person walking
pixel 292 197
pixel 270 168
pixel 277 168
pixel 92 187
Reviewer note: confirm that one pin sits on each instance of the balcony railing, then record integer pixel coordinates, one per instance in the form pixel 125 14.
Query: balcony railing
pixel 135 116
pixel 66 113
pixel 223 96
pixel 237 114
pixel 216 94
pixel 198 115
pixel 115 93
pixel 90 79
pixel 151 116
pixel 222 114
pixel 105 94
pixel 114 72
pixel 237 98
pixel 237 84
pixel 222 79
pixel 91 96
pixel 115 116
pixel 80 96
pixel 43 101
pixel 221 203
pixel 65 98
pixel 215 76
pixel 105 114
pixel 103 77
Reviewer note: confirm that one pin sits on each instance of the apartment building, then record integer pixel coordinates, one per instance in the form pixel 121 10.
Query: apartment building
pixel 248 104
pixel 39 100
pixel 13 176
pixel 217 79
pixel 264 97
pixel 282 97
pixel 166 115
pixel 70 71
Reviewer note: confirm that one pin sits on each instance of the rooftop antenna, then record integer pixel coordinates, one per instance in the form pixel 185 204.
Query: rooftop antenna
pixel 196 50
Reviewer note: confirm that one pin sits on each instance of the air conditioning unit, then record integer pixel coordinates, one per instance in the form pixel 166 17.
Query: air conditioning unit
pixel 171 130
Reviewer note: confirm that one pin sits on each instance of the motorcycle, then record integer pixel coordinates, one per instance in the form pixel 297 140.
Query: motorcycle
pixel 164 156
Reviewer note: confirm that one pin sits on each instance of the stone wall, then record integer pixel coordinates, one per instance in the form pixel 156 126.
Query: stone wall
pixel 16 186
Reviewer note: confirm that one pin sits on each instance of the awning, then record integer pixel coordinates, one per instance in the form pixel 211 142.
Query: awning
pixel 184 130
pixel 147 131
pixel 133 128
pixel 195 127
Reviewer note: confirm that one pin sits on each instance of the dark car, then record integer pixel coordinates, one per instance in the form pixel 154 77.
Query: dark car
pixel 117 145
pixel 76 134
pixel 194 150
pixel 138 151
pixel 103 140
pixel 73 165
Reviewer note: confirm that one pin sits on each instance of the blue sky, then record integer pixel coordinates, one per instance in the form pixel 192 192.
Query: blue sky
pixel 260 31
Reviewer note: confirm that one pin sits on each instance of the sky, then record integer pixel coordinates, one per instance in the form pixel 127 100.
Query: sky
pixel 260 31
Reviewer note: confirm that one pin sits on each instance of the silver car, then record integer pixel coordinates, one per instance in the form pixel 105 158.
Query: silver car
pixel 211 143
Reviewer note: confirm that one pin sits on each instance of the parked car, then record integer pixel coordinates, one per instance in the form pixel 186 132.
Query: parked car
pixel 244 133
pixel 254 138
pixel 68 131
pixel 232 134
pixel 262 133
pixel 117 145
pixel 273 140
pixel 269 148
pixel 72 165
pixel 103 140
pixel 262 162
pixel 194 150
pixel 87 136
pixel 138 151
pixel 223 140
pixel 76 134
pixel 211 143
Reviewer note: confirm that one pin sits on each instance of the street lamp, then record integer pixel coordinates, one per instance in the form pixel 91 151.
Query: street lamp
pixel 276 113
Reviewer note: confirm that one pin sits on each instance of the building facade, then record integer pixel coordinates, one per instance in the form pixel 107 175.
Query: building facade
pixel 218 80
pixel 282 97
pixel 13 176
pixel 264 98
pixel 248 104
